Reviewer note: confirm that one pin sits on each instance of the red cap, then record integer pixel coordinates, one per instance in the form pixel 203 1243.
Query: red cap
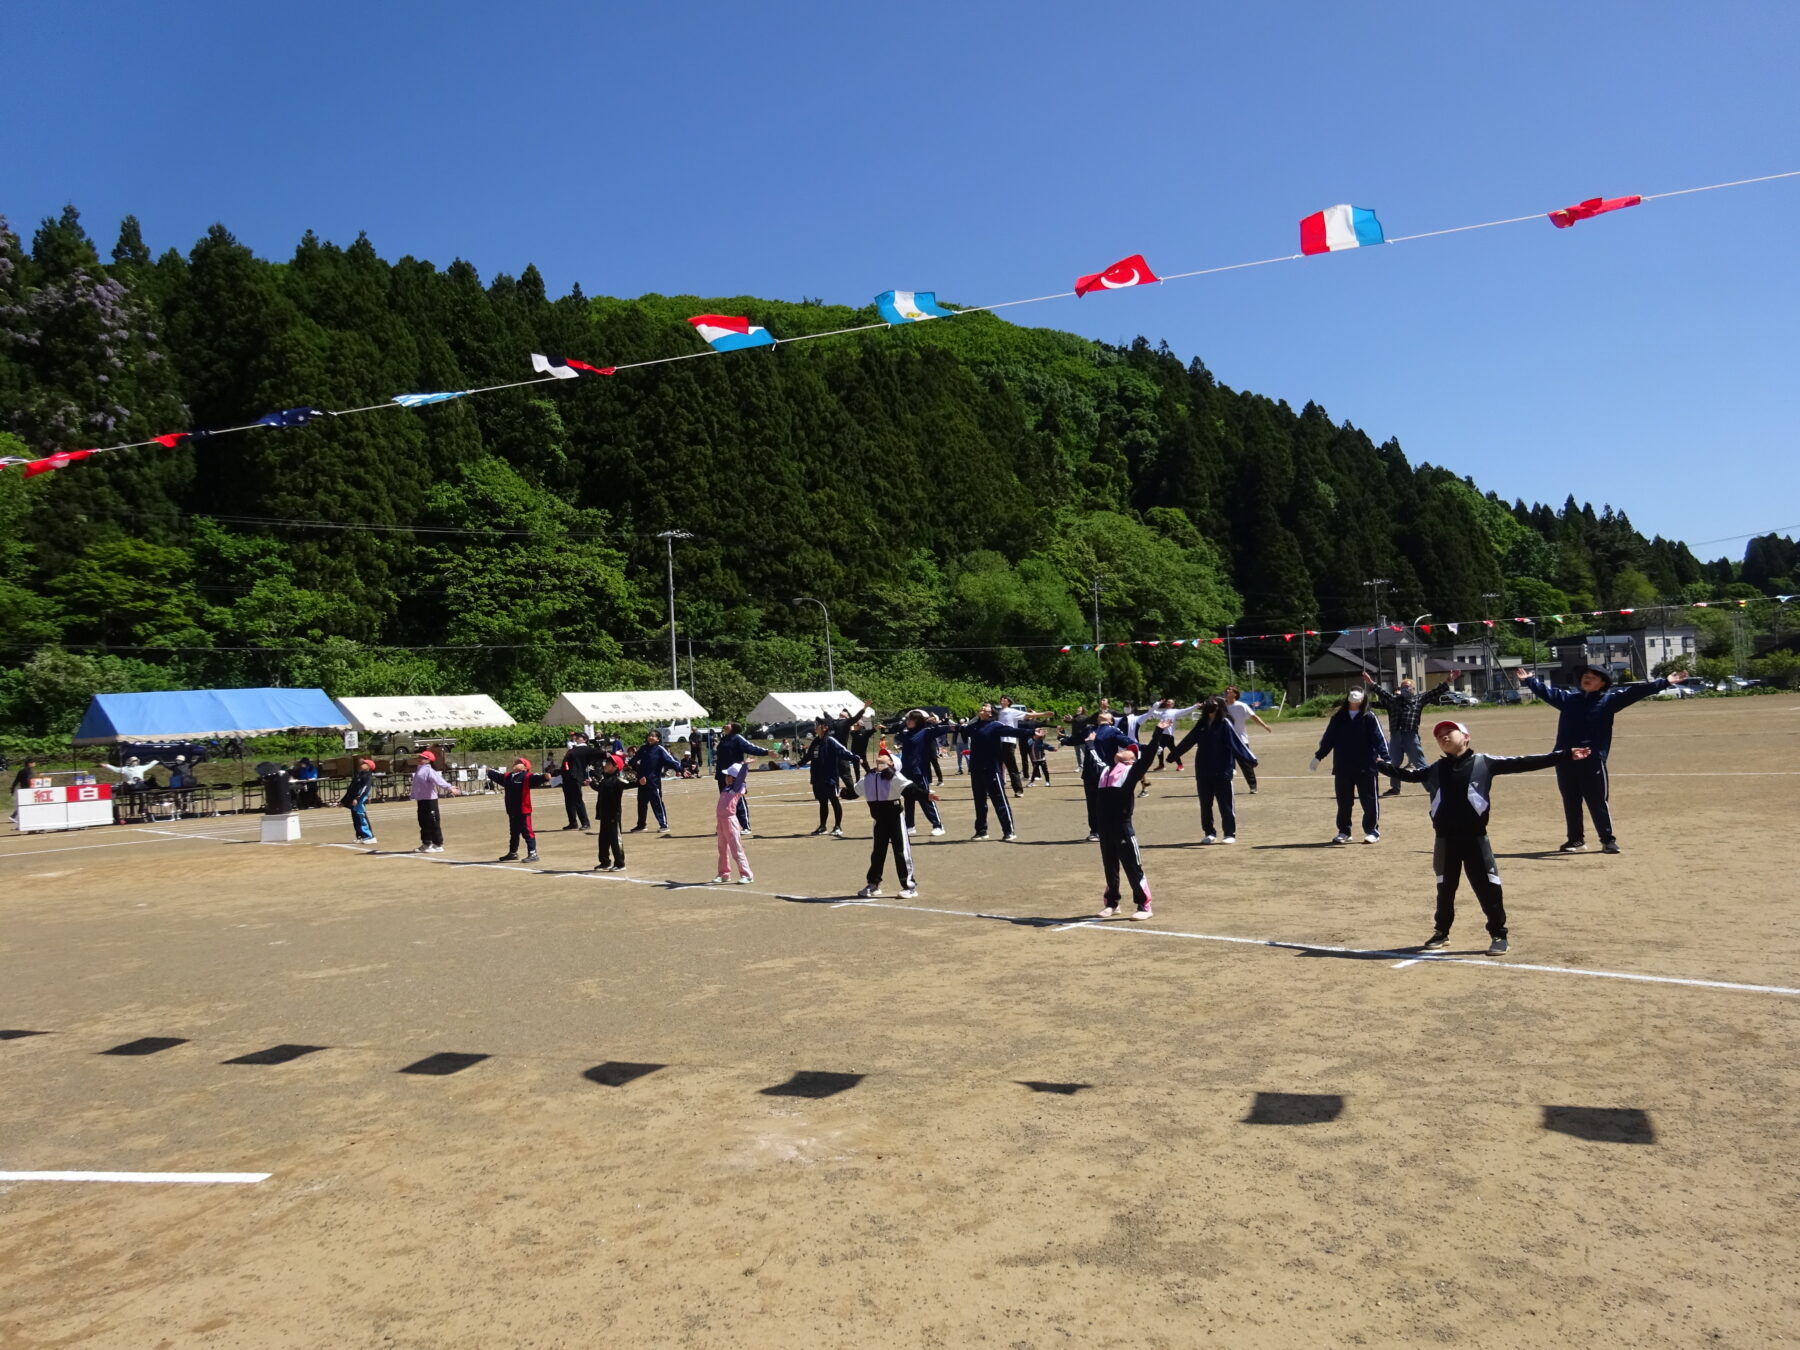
pixel 526 761
pixel 1438 730
pixel 427 757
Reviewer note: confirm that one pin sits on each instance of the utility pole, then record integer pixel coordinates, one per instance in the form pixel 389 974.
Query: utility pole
pixel 830 670
pixel 1230 666
pixel 1303 624
pixel 690 646
pixel 1487 639
pixel 1374 584
pixel 1100 661
pixel 669 537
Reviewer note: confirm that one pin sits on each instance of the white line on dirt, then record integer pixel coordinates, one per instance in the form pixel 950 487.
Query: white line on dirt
pixel 147 1178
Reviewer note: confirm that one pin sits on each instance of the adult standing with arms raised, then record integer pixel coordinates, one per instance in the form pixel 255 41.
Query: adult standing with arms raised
pixel 1354 741
pixel 1585 718
pixel 733 749
pixel 1405 705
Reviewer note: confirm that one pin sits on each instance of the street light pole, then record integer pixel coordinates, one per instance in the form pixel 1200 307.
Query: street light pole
pixel 669 537
pixel 830 670
pixel 1099 660
pixel 1414 626
pixel 1487 640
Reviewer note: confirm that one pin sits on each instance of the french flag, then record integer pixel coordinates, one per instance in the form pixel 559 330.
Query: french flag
pixel 1339 227
pixel 728 334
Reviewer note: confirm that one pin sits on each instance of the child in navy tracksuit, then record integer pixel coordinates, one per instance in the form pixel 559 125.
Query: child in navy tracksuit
pixel 650 763
pixel 826 759
pixel 1353 739
pixel 1115 796
pixel 517 783
pixel 1585 719
pixel 1219 749
pixel 1461 786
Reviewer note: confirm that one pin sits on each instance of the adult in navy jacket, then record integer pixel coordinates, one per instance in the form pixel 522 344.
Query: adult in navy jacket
pixel 1354 741
pixel 987 768
pixel 734 749
pixel 1585 718
pixel 1218 750
pixel 650 763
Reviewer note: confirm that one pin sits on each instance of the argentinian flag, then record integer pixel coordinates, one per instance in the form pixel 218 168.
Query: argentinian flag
pixel 910 306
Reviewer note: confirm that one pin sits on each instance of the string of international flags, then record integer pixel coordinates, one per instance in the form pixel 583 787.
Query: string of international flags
pixel 1481 627
pixel 1335 229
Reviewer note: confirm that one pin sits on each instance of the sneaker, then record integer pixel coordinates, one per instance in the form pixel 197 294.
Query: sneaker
pixel 745 881
pixel 1093 838
pixel 1435 943
pixel 1252 792
pixel 435 848
pixel 1573 846
pixel 909 892
pixel 1610 846
pixel 423 848
pixel 837 832
pixel 567 828
pixel 531 857
pixel 1108 909
pixel 911 831
pixel 1497 947
pixel 721 881
pixel 1340 839
pixel 749 834
pixel 1210 839
pixel 813 833
pixel 1392 792
pixel 868 892
pixel 603 867
pixel 635 829
pixel 510 857
pixel 1009 838
pixel 981 835
pixel 369 841
pixel 1142 912
pixel 1372 837
pixel 936 830
pixel 1229 839
pixel 663 830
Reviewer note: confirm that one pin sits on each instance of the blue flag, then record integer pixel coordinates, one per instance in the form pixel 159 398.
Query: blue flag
pixel 910 306
pixel 414 400
pixel 289 417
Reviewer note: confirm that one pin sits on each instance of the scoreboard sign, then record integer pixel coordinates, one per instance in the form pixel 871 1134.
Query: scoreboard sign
pixel 73 807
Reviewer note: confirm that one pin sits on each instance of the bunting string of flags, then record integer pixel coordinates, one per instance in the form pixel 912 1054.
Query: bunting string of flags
pixel 1336 229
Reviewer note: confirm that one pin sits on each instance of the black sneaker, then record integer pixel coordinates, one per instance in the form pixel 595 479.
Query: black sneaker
pixel 1435 943
pixel 567 828
pixel 634 829
pixel 1497 947
pixel 507 857
pixel 820 830
pixel 1610 846
pixel 1391 792
pixel 1573 846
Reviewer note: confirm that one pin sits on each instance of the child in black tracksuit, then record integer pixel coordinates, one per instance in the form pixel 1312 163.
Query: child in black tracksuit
pixel 886 791
pixel 1354 741
pixel 517 783
pixel 1460 787
pixel 1115 795
pixel 610 785
pixel 827 760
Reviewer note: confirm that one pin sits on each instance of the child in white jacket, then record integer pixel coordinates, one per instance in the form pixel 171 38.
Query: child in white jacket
pixel 885 792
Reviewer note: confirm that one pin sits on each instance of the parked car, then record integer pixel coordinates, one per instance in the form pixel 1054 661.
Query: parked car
pixel 1687 689
pixel 1457 699
pixel 1505 696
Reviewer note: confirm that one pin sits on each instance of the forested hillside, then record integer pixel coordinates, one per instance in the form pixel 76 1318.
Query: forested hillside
pixel 950 490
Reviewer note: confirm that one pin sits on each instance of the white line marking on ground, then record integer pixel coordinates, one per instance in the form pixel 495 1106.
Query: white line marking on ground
pixel 1402 965
pixel 147 1178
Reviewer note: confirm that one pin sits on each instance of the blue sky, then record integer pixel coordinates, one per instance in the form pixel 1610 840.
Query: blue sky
pixel 995 151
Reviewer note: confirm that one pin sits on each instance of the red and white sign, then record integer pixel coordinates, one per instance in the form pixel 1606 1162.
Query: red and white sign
pixel 72 807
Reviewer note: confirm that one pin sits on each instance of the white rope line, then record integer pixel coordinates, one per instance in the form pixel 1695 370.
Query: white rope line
pixel 973 309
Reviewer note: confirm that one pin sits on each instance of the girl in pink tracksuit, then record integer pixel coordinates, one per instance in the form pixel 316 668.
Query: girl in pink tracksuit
pixel 731 840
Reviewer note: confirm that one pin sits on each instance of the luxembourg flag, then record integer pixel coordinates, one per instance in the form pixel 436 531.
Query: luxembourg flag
pixel 910 306
pixel 1339 227
pixel 728 334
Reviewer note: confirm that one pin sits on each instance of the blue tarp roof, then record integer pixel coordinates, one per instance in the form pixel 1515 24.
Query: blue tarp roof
pixel 191 714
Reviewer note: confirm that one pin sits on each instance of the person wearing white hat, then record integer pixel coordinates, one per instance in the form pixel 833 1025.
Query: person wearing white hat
pixel 1354 741
pixel 1460 788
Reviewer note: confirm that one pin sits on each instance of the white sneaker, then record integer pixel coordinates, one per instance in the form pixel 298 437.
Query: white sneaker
pixel 838 833
pixel 745 881
pixel 1009 838
pixel 909 892
pixel 435 848
pixel 868 892
pixel 1230 839
pixel 1142 912
pixel 748 834
pixel 1341 839
pixel 1372 837
pixel 1108 909
pixel 663 830
pixel 937 830
pixel 370 842
pixel 1209 840
pixel 721 880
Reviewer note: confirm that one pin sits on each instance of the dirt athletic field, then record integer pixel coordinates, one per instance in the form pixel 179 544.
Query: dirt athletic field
pixel 514 1107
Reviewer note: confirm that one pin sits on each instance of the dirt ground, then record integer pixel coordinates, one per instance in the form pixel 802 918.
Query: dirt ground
pixel 754 1115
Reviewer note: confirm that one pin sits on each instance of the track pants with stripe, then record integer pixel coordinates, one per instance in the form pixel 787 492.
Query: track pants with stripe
pixel 650 799
pixel 1349 788
pixel 519 827
pixel 988 784
pixel 920 798
pixel 1456 854
pixel 1119 848
pixel 890 833
pixel 1585 780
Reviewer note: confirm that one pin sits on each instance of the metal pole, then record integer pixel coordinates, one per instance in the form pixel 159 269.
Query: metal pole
pixel 1487 641
pixel 830 670
pixel 1230 666
pixel 1099 661
pixel 669 537
pixel 1303 662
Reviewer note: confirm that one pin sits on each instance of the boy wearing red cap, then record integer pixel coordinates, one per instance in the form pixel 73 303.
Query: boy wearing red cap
pixel 427 786
pixel 517 783
pixel 609 808
pixel 1459 787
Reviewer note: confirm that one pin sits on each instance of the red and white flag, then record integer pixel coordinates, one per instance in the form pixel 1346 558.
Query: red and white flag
pixel 1132 271
pixel 57 461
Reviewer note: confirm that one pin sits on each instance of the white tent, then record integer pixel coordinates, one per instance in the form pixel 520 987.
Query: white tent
pixel 803 707
pixel 631 705
pixel 424 713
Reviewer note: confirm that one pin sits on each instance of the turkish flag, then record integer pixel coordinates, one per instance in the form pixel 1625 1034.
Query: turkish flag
pixel 37 466
pixel 1593 206
pixel 1132 271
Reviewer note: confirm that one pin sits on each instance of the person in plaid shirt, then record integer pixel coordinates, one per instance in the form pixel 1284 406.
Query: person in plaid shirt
pixel 1405 706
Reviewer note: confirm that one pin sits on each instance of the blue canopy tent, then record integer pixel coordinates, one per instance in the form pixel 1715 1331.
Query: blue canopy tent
pixel 190 715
